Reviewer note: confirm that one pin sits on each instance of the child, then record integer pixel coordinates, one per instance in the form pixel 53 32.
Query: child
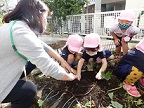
pixel 123 31
pixel 71 52
pixel 131 69
pixel 93 51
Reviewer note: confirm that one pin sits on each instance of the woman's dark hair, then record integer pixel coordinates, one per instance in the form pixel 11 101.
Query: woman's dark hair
pixel 29 11
pixel 92 49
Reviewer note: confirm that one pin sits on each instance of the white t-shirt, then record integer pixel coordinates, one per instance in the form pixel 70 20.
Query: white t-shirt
pixel 119 33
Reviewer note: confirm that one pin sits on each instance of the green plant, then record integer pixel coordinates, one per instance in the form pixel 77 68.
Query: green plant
pixel 41 102
pixel 114 104
pixel 120 86
pixel 88 104
pixel 132 102
pixel 107 75
pixel 0 21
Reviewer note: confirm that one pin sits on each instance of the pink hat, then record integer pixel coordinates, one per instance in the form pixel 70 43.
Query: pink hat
pixel 75 42
pixel 127 15
pixel 140 46
pixel 91 40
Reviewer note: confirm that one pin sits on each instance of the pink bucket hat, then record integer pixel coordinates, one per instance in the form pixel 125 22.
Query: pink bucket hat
pixel 75 42
pixel 127 15
pixel 91 40
pixel 140 46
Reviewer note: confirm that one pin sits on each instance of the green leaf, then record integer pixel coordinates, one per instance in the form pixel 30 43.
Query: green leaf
pixel 116 104
pixel 139 102
pixel 40 102
pixel 62 8
pixel 111 95
pixel 41 75
pixel 88 104
pixel 107 75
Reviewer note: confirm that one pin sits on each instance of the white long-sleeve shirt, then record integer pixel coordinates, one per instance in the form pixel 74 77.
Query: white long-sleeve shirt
pixel 27 43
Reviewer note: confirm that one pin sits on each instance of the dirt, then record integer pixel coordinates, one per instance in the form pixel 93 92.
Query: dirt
pixel 86 93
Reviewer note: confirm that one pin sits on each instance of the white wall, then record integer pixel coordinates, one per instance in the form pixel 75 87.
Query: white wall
pixel 137 4
pixel 134 4
pixel 9 4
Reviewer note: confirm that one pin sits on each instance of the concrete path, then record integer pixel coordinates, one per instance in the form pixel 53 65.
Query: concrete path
pixel 108 44
pixel 52 39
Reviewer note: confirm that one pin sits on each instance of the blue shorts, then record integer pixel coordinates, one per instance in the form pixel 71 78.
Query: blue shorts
pixel 120 38
pixel 107 53
pixel 123 71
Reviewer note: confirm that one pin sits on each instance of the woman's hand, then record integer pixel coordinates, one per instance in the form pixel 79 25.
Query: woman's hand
pixel 68 77
pixel 66 66
pixel 63 63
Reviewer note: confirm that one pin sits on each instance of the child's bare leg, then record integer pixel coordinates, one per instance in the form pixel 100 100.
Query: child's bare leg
pixel 78 56
pixel 70 59
pixel 124 47
pixel 118 50
pixel 90 65
pixel 110 58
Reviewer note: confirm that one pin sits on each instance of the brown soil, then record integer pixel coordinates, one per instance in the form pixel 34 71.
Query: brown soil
pixel 62 94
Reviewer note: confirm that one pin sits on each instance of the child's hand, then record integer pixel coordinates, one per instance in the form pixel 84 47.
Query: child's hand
pixel 98 76
pixel 117 41
pixel 78 76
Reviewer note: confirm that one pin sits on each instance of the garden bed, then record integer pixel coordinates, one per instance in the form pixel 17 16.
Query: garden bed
pixel 86 93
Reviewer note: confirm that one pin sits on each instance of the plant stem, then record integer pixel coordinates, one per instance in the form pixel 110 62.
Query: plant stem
pixel 114 89
pixel 67 101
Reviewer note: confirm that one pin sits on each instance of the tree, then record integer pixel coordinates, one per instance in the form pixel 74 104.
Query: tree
pixel 62 8
pixel 1 12
pixel 3 9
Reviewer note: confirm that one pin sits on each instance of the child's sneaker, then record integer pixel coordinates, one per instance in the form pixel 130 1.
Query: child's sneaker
pixel 131 89
pixel 141 82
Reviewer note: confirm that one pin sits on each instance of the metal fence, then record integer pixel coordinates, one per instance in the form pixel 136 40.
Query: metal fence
pixel 99 23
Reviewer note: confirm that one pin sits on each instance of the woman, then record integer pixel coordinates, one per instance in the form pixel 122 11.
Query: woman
pixel 20 43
